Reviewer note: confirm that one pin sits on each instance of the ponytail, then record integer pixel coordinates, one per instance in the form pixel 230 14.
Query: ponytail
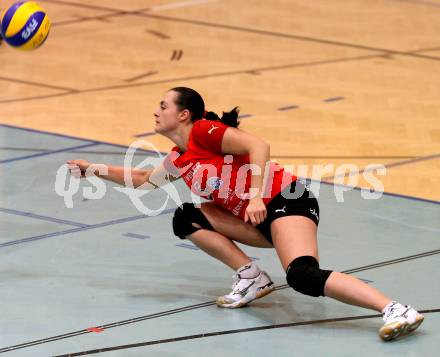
pixel 228 118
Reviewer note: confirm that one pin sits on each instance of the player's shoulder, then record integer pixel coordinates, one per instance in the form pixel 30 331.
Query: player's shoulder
pixel 205 125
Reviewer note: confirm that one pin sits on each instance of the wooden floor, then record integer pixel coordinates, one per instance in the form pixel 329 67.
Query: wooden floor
pixel 324 82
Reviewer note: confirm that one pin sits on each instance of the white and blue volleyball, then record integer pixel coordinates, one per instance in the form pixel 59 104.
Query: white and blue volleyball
pixel 24 25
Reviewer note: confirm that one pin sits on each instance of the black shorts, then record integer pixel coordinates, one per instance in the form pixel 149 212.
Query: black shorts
pixel 295 200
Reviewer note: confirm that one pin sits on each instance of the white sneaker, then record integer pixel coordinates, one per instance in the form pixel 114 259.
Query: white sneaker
pixel 246 290
pixel 399 320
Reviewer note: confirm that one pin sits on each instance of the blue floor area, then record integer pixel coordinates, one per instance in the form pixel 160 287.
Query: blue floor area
pixel 102 263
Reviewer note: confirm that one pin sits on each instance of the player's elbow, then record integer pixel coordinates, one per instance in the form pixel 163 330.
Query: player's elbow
pixel 260 145
pixel 141 177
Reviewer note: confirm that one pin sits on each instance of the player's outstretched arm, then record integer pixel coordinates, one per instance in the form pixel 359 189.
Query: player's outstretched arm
pixel 153 178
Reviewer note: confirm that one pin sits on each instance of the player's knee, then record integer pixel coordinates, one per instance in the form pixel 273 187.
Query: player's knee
pixel 189 219
pixel 304 275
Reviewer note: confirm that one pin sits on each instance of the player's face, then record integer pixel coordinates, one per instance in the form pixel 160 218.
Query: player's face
pixel 166 116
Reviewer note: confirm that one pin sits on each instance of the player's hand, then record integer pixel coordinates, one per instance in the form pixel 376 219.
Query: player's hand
pixel 78 168
pixel 256 211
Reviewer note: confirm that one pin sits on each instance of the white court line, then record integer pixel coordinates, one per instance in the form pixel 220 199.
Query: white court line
pixel 178 4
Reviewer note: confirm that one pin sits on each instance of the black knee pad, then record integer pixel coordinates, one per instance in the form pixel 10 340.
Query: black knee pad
pixel 304 275
pixel 185 216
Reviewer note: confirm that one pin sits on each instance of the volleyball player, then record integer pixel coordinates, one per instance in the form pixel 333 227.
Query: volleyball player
pixel 260 205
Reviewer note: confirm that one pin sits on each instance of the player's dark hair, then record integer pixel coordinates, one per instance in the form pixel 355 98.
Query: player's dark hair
pixel 228 118
pixel 188 98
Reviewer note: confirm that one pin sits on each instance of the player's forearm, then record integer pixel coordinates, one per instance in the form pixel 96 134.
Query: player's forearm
pixel 259 155
pixel 125 176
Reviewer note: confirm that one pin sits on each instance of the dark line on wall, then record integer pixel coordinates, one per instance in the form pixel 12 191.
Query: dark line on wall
pixel 197 306
pixel 229 332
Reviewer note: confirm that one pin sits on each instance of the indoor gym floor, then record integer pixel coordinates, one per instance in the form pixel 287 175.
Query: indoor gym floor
pixel 328 83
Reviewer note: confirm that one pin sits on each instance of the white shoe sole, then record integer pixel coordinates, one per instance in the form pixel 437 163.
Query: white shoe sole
pixel 393 330
pixel 246 299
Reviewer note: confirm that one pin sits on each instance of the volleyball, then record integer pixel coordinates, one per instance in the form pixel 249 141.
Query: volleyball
pixel 24 25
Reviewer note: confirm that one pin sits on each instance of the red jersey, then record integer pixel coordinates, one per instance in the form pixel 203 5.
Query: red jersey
pixel 223 178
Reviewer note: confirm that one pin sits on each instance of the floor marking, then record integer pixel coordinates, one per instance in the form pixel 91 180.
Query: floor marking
pixel 211 303
pixel 334 99
pixel 392 164
pixel 177 55
pixel 422 2
pixel 80 229
pixel 179 4
pixel 148 74
pixel 15 80
pixel 48 153
pixel 137 236
pixel 229 332
pixel 188 246
pixel 74 151
pixel 289 107
pixel 99 142
pixel 149 133
pixel 193 77
pixel 244 116
pixel 159 34
pixel 43 218
pixel 95 329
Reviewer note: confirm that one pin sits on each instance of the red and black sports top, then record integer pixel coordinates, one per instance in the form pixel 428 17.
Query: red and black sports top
pixel 223 178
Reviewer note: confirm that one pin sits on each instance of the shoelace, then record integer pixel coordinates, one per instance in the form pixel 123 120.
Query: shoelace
pixel 399 310
pixel 389 311
pixel 236 279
